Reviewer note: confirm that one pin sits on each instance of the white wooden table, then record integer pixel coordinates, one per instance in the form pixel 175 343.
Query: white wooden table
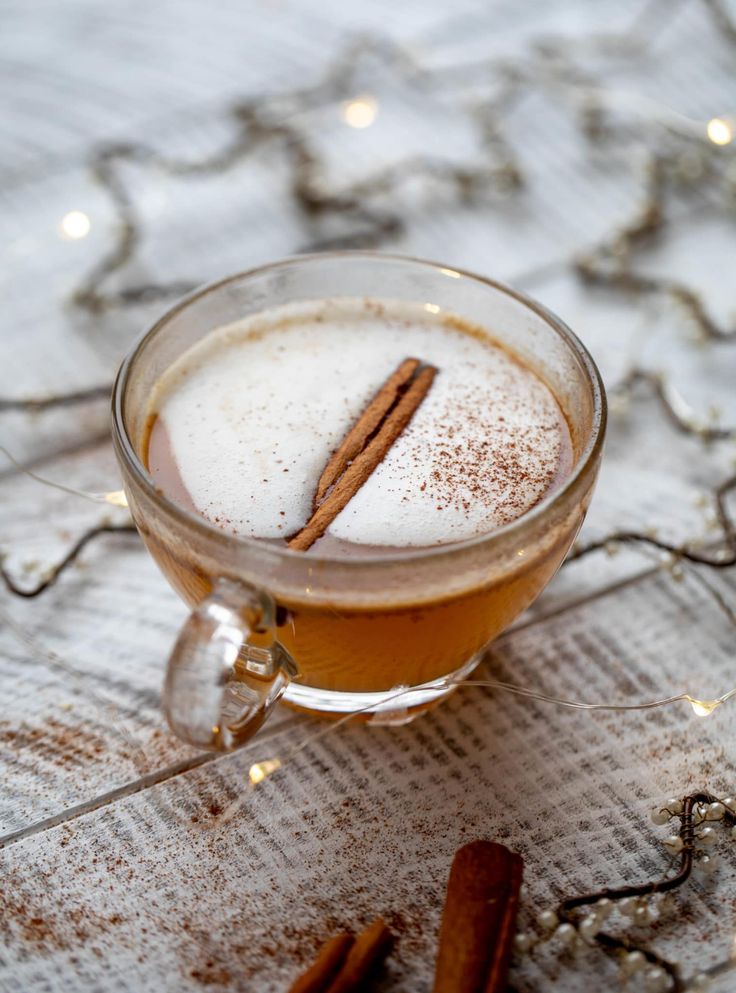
pixel 118 870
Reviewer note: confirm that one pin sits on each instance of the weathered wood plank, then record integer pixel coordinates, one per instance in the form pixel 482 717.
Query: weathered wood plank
pixel 154 891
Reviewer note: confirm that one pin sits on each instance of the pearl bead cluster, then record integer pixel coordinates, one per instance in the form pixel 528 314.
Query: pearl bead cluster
pixel 641 911
pixel 705 836
pixel 569 936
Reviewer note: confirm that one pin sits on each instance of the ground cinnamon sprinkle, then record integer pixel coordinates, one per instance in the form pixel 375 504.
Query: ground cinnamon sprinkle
pixel 211 975
pixel 39 921
pixel 57 742
pixel 477 470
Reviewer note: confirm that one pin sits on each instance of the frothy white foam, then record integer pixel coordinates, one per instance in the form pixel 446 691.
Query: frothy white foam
pixel 254 411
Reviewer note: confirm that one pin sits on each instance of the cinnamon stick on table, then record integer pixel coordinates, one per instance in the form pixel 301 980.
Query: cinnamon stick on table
pixel 326 966
pixel 344 962
pixel 370 947
pixel 479 919
pixel 376 448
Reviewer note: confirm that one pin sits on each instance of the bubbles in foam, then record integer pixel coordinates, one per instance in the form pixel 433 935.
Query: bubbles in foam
pixel 254 411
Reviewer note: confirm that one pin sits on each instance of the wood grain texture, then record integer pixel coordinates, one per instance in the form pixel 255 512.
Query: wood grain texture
pixel 368 821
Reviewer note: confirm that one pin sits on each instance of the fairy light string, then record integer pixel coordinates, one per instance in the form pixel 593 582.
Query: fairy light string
pixel 52 574
pixel 116 498
pixel 37 405
pixel 273 120
pixel 263 768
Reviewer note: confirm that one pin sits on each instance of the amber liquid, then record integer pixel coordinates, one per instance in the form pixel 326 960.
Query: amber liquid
pixel 358 649
pixel 361 649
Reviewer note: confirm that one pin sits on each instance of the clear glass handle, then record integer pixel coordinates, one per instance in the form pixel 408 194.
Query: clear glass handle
pixel 227 670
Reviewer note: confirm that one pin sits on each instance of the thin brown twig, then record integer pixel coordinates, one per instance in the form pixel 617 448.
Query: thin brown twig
pixel 685 423
pixel 55 572
pixel 723 558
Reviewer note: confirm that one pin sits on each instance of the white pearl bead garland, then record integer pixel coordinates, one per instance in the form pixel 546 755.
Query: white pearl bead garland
pixel 642 911
pixel 567 935
pixel 628 906
pixel 631 963
pixel 707 836
pixel 700 983
pixel 708 864
pixel 643 915
pixel 588 928
pixel 666 906
pixel 715 811
pixel 674 843
pixel 548 920
pixel 522 942
pixel 603 909
pixel 656 980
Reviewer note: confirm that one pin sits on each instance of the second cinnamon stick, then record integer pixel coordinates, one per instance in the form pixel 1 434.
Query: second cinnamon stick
pixel 326 966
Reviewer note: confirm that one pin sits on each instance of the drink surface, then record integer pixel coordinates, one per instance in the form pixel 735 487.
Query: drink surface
pixel 245 422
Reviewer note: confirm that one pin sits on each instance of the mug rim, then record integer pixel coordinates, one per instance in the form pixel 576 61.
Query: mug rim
pixel 587 458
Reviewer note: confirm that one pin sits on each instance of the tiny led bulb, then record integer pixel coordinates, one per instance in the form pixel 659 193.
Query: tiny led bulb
pixel 703 708
pixel 259 770
pixel 360 112
pixel 74 225
pixel 719 131
pixel 117 498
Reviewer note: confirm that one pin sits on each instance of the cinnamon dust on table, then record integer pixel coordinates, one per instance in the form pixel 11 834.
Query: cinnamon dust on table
pixel 57 743
pixel 365 446
pixel 36 919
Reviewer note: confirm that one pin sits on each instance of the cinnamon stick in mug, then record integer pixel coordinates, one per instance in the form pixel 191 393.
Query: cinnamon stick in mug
pixel 357 437
pixel 367 460
pixel 479 919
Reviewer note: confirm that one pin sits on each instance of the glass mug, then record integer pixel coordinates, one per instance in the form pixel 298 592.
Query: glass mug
pixel 344 635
